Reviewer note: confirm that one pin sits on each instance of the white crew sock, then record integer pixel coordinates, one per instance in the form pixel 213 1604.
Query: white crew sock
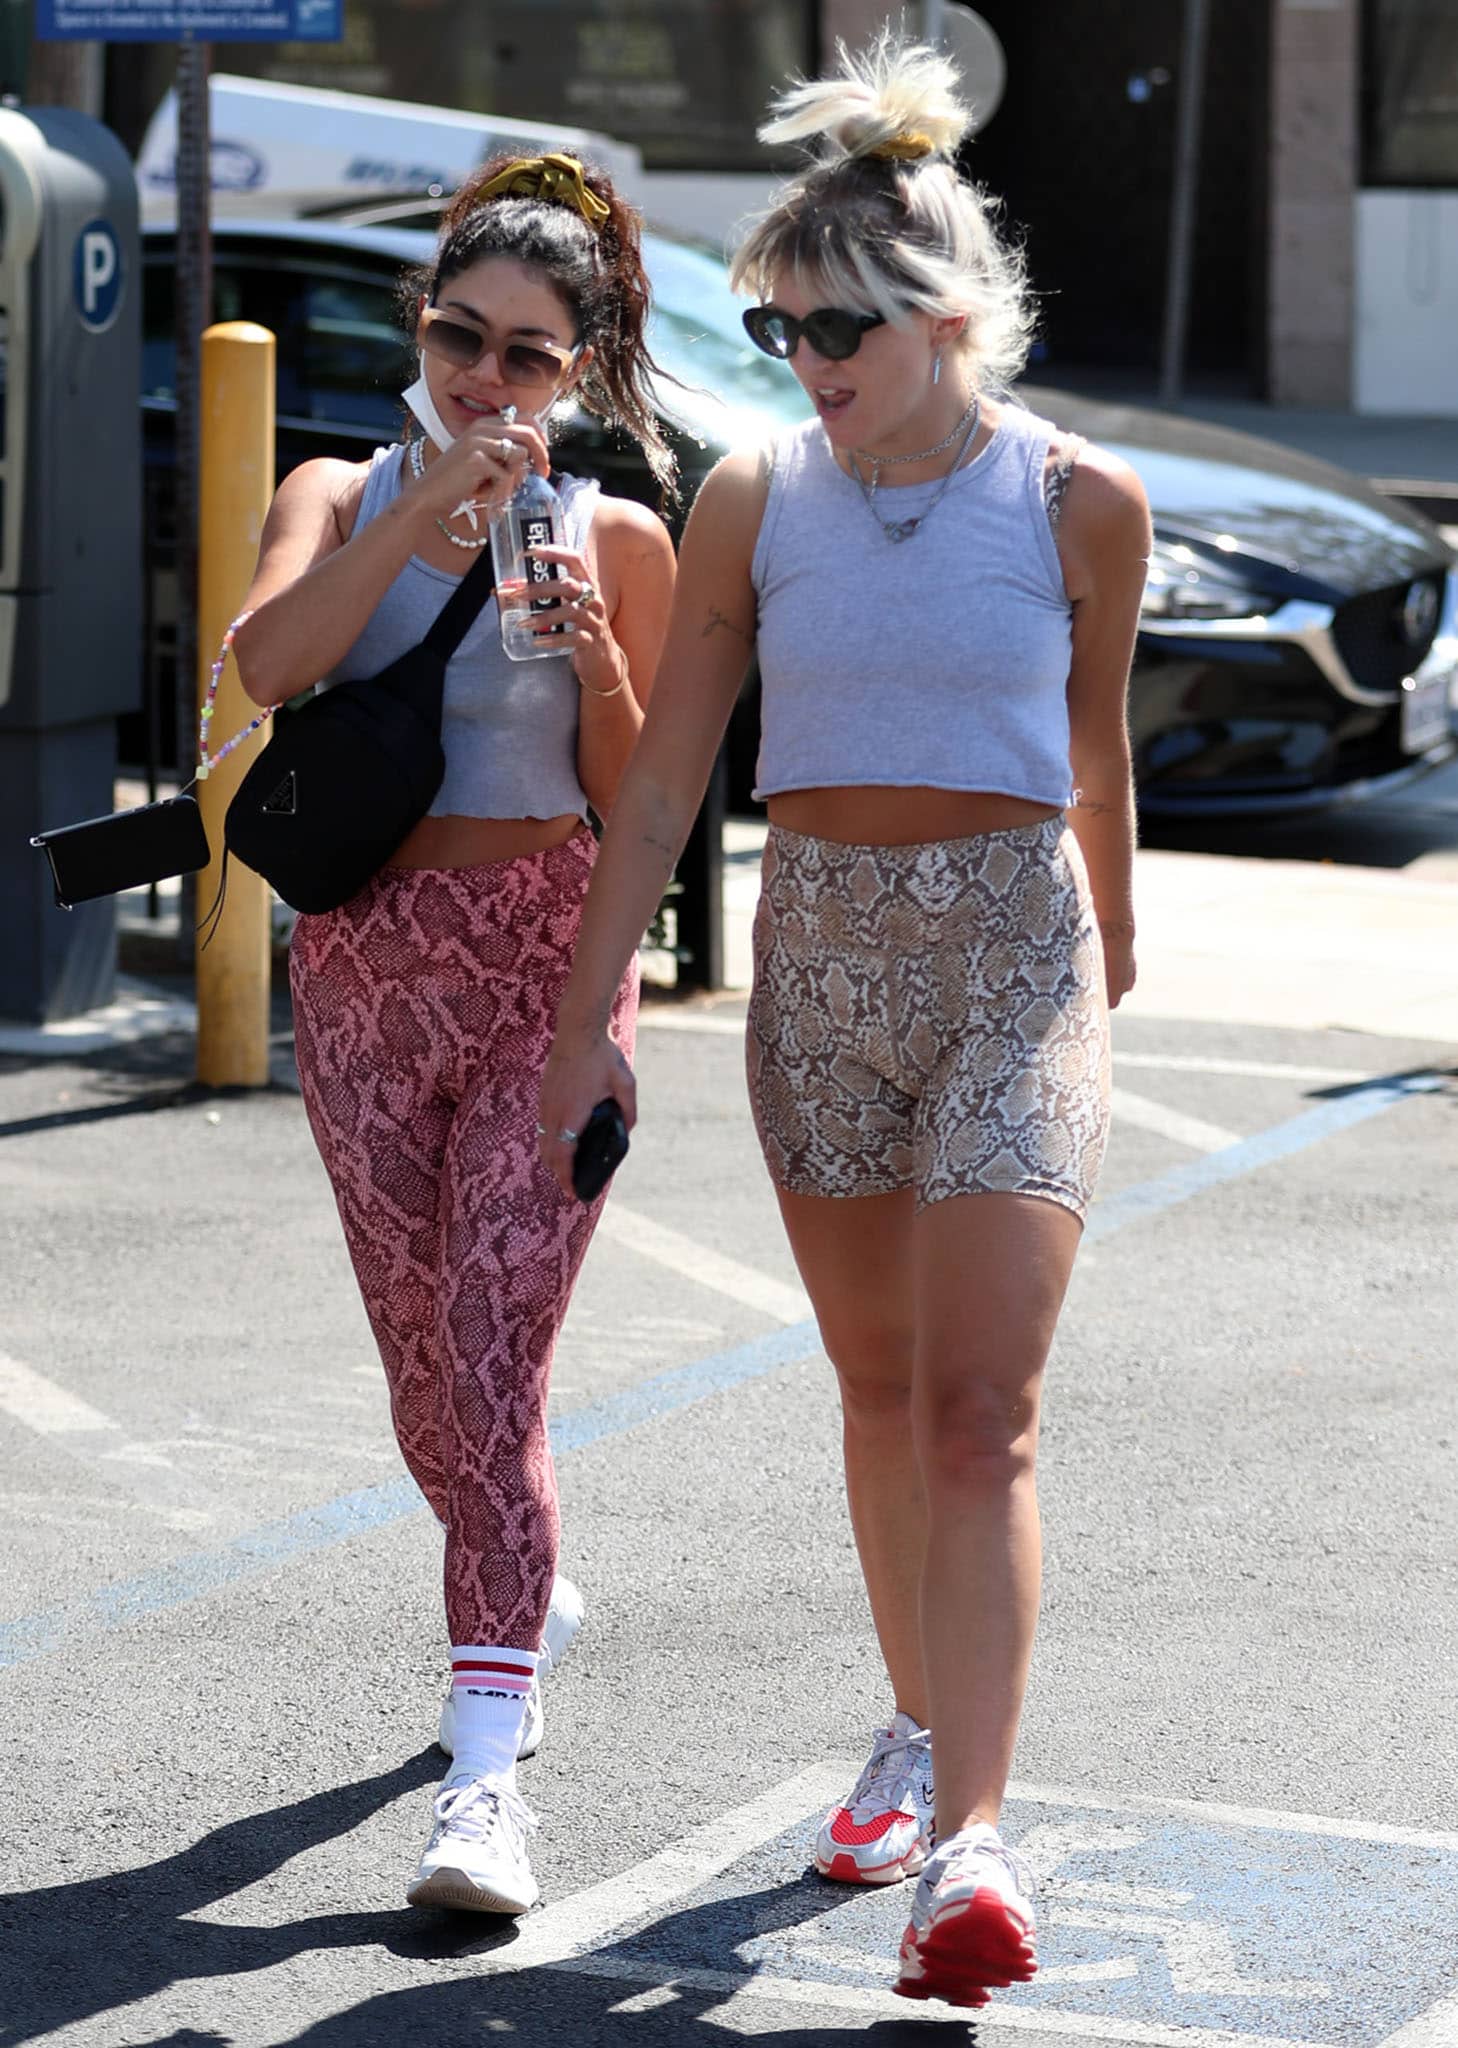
pixel 489 1686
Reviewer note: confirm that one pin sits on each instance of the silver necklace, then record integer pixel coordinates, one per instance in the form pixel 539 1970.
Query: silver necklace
pixel 902 529
pixel 880 462
pixel 417 468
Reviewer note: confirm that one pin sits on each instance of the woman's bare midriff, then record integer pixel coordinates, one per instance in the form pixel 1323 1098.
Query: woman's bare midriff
pixel 882 816
pixel 456 842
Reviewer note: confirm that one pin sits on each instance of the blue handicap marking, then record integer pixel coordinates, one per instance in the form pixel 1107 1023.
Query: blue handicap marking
pixel 1175 1922
pixel 1262 1930
pixel 97 274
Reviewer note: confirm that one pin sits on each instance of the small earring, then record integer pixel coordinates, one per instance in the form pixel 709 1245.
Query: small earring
pixel 937 367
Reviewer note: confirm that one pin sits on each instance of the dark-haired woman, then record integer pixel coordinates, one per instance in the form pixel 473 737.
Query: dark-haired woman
pixel 424 1008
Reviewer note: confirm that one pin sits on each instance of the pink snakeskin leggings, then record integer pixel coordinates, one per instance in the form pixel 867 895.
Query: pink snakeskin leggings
pixel 423 1015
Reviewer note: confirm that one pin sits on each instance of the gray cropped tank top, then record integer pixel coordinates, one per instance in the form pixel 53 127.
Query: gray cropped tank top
pixel 509 728
pixel 941 661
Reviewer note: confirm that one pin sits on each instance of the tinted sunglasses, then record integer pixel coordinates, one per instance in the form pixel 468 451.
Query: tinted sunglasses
pixel 462 345
pixel 830 331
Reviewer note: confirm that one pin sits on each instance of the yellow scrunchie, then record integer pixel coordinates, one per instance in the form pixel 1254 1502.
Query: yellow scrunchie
pixel 556 179
pixel 903 148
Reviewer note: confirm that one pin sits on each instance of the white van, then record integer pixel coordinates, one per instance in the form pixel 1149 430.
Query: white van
pixel 290 149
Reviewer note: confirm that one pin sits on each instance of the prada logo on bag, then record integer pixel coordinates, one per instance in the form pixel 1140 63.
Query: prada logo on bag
pixel 283 802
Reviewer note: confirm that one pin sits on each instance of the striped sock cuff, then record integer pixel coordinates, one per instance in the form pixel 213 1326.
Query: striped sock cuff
pixel 490 1668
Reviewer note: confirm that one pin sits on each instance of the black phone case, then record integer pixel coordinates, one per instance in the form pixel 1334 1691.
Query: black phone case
pixel 103 855
pixel 600 1151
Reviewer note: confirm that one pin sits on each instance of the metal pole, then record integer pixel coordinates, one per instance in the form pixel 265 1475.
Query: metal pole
pixel 933 22
pixel 1182 201
pixel 700 916
pixel 192 310
pixel 237 483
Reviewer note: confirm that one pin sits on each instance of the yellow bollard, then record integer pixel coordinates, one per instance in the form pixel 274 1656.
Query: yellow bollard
pixel 236 465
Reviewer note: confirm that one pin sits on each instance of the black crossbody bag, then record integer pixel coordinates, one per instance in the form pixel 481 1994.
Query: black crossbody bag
pixel 350 773
pixel 343 780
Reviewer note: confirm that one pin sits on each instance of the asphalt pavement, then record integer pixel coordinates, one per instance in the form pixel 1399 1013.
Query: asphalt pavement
pixel 221 1650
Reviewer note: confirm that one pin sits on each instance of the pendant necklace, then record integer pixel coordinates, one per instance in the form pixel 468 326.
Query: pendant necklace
pixel 466 507
pixel 902 529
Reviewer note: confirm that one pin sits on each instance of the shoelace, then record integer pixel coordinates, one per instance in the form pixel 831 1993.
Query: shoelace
pixel 1017 1867
pixel 478 1807
pixel 887 1777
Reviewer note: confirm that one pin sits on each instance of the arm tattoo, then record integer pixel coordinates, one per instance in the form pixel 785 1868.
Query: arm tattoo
pixel 717 619
pixel 1091 804
pixel 662 846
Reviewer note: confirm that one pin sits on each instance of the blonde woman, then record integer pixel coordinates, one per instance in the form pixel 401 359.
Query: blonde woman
pixel 943 592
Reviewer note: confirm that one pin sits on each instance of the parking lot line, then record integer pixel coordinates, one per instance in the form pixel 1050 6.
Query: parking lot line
pixel 706 1268
pixel 1165 1122
pixel 706 1022
pixel 1244 1070
pixel 277 1543
pixel 1436 2028
pixel 98 1446
pixel 589 1916
pixel 1238 1816
pixel 1190 1959
pixel 1279 1141
pixel 37 1403
pixel 871 2004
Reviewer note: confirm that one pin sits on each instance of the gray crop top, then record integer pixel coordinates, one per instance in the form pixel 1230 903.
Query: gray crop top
pixel 509 728
pixel 938 662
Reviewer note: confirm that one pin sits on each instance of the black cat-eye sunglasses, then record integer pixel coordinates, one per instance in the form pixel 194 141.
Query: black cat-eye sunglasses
pixel 830 331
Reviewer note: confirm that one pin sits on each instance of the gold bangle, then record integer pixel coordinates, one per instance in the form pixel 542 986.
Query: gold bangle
pixel 604 693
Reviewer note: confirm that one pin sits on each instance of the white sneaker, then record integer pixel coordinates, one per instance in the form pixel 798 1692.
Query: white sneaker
pixel 882 1833
pixel 564 1619
pixel 972 1921
pixel 476 1858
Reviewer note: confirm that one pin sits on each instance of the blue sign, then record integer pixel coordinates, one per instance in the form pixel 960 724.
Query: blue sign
pixel 97 274
pixel 190 21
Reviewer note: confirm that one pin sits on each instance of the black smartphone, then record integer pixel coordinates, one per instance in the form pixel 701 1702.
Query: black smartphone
pixel 600 1151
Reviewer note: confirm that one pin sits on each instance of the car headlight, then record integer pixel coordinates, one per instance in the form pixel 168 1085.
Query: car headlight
pixel 1183 584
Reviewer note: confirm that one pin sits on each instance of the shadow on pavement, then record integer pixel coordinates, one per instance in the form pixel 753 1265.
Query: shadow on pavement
pixel 76 1952
pixel 73 1951
pixel 624 1993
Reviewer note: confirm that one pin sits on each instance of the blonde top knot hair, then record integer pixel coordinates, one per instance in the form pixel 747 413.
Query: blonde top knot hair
pixel 880 219
pixel 883 98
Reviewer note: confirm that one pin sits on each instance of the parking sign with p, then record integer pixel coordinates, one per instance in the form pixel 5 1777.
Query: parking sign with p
pixel 98 274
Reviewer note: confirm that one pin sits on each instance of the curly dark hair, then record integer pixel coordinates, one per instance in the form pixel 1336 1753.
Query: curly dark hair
pixel 596 271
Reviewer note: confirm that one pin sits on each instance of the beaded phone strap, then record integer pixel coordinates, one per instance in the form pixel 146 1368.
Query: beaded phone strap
pixel 206 762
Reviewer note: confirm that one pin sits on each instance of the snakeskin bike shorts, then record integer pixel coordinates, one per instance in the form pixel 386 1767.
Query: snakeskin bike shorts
pixel 931 1016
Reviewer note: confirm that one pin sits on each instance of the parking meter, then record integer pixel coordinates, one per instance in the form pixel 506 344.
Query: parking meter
pixel 70 531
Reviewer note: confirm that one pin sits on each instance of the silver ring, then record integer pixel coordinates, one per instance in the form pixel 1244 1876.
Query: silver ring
pixel 566 1137
pixel 585 597
pixel 541 1130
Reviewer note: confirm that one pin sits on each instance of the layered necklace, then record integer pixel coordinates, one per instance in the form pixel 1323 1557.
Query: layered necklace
pixel 417 468
pixel 903 529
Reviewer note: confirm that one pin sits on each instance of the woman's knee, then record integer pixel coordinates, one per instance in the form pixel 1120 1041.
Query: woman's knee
pixel 976 1432
pixel 873 1369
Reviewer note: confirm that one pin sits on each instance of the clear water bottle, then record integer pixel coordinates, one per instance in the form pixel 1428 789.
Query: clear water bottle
pixel 532 519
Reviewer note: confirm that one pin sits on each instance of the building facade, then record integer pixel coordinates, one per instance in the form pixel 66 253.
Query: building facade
pixel 1326 238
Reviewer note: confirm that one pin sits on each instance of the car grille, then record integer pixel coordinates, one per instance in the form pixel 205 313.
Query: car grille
pixel 1373 639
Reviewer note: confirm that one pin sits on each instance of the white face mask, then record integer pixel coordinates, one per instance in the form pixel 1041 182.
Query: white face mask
pixel 421 403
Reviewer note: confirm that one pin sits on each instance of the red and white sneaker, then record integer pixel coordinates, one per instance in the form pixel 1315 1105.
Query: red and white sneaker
pixel 972 1921
pixel 882 1833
